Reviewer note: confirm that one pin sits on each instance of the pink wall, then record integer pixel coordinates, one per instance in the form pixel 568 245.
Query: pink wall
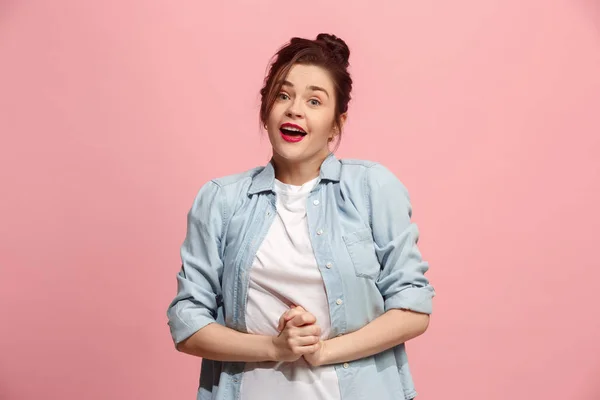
pixel 113 113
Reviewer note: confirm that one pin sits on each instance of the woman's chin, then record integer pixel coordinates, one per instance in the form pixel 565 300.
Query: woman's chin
pixel 289 155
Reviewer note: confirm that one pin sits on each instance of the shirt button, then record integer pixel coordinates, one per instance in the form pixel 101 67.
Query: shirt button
pixel 346 365
pixel 329 265
pixel 320 232
pixel 316 202
pixel 339 302
pixel 268 213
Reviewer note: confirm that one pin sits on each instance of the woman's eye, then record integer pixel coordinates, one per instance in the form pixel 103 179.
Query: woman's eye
pixel 283 96
pixel 314 102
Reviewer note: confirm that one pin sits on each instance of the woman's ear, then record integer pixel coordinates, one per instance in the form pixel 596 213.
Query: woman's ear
pixel 343 119
pixel 334 132
pixel 337 128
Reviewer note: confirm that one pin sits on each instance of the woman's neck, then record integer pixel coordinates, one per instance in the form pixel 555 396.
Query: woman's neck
pixel 297 173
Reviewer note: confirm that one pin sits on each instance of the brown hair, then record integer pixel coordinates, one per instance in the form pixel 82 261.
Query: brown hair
pixel 326 51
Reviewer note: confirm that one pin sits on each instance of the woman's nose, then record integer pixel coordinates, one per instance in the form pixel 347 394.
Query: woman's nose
pixel 294 111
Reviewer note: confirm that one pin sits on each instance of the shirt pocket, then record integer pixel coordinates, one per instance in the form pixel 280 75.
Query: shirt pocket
pixel 361 249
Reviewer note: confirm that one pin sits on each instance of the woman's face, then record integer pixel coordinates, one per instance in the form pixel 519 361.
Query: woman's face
pixel 302 120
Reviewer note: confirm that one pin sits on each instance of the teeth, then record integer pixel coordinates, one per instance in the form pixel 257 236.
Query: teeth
pixel 288 128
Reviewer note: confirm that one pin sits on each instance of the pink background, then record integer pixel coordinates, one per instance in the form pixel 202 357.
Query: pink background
pixel 113 113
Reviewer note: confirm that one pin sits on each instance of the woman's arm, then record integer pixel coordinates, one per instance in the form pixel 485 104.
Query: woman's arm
pixel 216 342
pixel 405 290
pixel 192 313
pixel 389 330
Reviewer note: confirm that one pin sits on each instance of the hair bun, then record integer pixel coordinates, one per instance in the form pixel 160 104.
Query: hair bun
pixel 337 46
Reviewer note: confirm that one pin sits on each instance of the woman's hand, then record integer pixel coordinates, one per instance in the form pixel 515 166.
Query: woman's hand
pixel 317 358
pixel 299 335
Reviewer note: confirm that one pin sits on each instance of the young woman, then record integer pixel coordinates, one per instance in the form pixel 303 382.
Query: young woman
pixel 302 279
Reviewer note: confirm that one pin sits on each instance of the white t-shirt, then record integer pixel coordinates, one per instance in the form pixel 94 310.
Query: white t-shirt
pixel 285 273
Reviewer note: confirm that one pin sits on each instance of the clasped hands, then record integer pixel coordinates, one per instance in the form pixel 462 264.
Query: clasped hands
pixel 299 336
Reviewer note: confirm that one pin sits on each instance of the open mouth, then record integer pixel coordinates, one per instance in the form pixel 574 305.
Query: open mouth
pixel 292 133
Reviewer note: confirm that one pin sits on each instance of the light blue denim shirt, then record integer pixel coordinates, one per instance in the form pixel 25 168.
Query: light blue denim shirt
pixel 359 220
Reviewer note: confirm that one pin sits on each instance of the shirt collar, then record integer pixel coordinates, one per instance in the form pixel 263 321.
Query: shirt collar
pixel 264 181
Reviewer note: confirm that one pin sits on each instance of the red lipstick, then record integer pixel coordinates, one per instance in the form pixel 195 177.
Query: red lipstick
pixel 292 133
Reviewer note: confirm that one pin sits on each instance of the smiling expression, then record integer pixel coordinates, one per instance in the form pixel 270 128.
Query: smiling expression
pixel 302 121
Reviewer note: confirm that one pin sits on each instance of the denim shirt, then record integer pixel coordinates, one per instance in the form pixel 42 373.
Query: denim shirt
pixel 359 221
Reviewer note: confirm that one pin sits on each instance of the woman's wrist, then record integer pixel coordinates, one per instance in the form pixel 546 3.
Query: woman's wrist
pixel 319 357
pixel 324 357
pixel 271 352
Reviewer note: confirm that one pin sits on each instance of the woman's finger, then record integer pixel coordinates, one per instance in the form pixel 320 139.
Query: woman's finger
pixel 282 321
pixel 303 341
pixel 296 310
pixel 289 314
pixel 307 330
pixel 302 319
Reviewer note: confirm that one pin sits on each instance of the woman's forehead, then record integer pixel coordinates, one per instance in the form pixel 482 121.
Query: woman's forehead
pixel 304 76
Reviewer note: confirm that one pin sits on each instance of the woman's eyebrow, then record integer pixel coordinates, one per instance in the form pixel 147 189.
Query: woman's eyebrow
pixel 310 87
pixel 318 89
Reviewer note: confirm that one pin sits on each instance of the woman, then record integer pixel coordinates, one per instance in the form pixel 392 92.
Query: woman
pixel 309 265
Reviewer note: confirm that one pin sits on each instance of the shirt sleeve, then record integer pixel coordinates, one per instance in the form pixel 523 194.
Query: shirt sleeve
pixel 402 280
pixel 198 282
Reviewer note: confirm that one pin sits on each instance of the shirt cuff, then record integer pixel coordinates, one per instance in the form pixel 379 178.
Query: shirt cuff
pixel 417 299
pixel 185 321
